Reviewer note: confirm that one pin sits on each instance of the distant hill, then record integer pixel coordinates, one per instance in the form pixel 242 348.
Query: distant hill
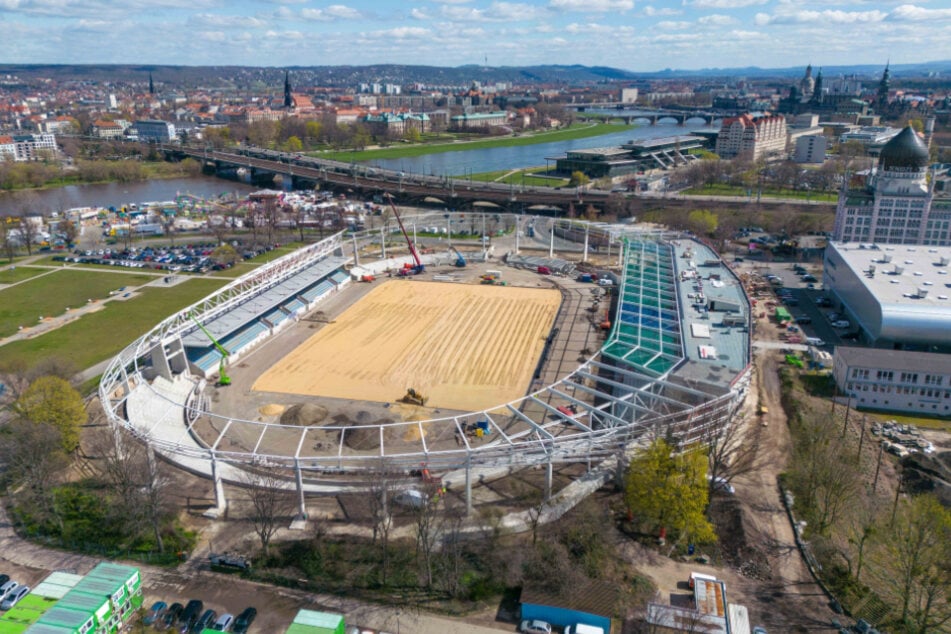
pixel 251 78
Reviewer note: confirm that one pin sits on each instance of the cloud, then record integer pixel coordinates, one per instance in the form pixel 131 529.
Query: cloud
pixel 495 12
pixel 912 13
pixel 726 4
pixel 591 6
pixel 716 19
pixel 400 33
pixel 231 21
pixel 670 25
pixel 331 13
pixel 419 14
pixel 829 16
pixel 651 12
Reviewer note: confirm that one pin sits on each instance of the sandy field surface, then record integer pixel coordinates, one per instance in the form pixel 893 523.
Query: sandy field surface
pixel 466 347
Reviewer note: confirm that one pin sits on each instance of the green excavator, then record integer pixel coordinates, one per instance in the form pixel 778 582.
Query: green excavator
pixel 223 378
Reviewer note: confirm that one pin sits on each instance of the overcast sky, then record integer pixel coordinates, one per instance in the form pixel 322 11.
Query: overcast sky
pixel 629 34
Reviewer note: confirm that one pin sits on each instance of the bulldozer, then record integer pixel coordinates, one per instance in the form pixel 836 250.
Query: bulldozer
pixel 412 397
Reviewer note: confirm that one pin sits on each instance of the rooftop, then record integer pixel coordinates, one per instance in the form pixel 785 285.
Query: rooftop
pixel 898 360
pixel 897 274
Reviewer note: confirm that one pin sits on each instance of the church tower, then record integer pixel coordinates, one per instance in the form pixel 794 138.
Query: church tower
pixel 288 97
pixel 807 84
pixel 881 103
pixel 151 84
pixel 817 89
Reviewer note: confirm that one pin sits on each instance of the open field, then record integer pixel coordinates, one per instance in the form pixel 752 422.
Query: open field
pixel 466 347
pixel 50 295
pixel 579 131
pixel 20 273
pixel 722 189
pixel 100 335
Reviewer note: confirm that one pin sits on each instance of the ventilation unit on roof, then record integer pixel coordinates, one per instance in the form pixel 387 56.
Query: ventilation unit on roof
pixel 886 258
pixel 943 261
pixel 898 270
pixel 922 292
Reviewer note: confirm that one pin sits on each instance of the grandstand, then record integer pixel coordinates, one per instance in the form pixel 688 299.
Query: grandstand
pixel 668 367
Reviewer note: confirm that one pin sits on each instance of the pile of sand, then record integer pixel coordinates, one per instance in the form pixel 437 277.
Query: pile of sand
pixel 272 409
pixel 304 415
pixel 365 435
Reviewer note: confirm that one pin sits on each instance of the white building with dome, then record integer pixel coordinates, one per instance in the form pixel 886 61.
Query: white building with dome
pixel 897 204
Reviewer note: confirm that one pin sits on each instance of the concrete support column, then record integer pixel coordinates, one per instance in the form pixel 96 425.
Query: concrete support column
pixel 356 251
pixel 551 240
pixel 383 239
pixel 299 477
pixel 220 502
pixel 586 228
pixel 468 485
pixel 548 479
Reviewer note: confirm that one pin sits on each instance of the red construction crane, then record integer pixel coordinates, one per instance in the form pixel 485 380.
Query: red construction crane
pixel 408 269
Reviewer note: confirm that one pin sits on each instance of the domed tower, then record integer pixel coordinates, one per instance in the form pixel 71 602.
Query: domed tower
pixel 903 164
pixel 807 84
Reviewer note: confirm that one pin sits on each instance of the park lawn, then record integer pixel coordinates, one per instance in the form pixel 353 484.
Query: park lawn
pixel 520 177
pixel 406 151
pixel 50 295
pixel 98 336
pixel 20 273
pixel 721 189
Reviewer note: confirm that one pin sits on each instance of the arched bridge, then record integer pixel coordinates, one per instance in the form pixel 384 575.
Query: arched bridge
pixel 306 172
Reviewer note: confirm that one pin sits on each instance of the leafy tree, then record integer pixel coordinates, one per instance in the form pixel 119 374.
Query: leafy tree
pixel 412 135
pixel 313 131
pixel 293 144
pixel 69 230
pixel 224 255
pixel 909 566
pixel 669 490
pixel 703 222
pixel 52 400
pixel 578 179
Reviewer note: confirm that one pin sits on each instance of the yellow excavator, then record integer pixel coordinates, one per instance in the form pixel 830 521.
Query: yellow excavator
pixel 412 397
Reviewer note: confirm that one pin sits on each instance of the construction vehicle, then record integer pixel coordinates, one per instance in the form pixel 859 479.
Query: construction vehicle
pixel 412 397
pixel 460 260
pixel 223 378
pixel 408 269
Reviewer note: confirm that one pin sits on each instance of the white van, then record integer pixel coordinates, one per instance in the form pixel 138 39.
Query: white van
pixel 603 281
pixel 581 628
pixel 815 341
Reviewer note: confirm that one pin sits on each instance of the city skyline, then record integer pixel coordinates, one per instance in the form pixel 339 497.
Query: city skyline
pixel 636 36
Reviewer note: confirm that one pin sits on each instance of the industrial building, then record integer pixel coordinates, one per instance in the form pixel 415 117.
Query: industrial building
pixel 101 602
pixel 895 204
pixel 661 153
pixel 894 380
pixel 894 296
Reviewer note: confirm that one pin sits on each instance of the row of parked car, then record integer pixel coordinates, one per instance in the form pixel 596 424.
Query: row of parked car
pixel 195 258
pixel 11 592
pixel 192 618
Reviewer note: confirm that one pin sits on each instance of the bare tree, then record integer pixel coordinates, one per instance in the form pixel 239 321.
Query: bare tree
pixel 270 502
pixel 732 451
pixel 427 516
pixel 34 463
pixel 29 231
pixel 7 242
pixel 382 489
pixel 69 230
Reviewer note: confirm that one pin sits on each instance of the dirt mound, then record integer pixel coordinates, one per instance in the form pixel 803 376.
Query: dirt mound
pixel 923 473
pixel 272 409
pixel 304 415
pixel 736 536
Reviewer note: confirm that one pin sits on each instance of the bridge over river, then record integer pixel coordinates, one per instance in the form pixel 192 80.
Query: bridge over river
pixel 304 172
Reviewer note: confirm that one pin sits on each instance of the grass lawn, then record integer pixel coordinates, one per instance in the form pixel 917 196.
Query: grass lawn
pixel 98 336
pixel 50 295
pixel 520 177
pixel 722 189
pixel 578 131
pixel 20 273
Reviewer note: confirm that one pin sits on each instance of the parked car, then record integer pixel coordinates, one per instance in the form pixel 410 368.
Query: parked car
pixel 171 615
pixel 7 587
pixel 534 626
pixel 189 615
pixel 244 620
pixel 206 620
pixel 14 597
pixel 155 613
pixel 722 485
pixel 841 323
pixel 224 622
pixel 4 579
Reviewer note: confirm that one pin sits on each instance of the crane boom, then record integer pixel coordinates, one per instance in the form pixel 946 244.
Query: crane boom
pixel 223 378
pixel 412 248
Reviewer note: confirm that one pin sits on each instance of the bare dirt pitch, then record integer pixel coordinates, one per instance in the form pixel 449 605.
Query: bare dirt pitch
pixel 466 347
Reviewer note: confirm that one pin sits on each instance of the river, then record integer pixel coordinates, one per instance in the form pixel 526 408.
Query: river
pixel 117 194
pixel 460 164
pixel 465 162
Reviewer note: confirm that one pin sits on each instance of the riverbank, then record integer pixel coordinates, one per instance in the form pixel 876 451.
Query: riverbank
pixel 415 150
pixel 35 177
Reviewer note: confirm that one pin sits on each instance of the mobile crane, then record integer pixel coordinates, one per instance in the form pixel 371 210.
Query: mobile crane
pixel 223 378
pixel 408 269
pixel 460 260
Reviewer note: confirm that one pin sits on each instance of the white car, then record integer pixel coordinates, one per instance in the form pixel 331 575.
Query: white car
pixel 534 626
pixel 841 323
pixel 14 597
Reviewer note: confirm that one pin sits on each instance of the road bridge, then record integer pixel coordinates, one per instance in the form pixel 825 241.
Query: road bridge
pixel 305 172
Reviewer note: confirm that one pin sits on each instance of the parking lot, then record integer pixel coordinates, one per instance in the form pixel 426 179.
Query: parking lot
pixel 190 258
